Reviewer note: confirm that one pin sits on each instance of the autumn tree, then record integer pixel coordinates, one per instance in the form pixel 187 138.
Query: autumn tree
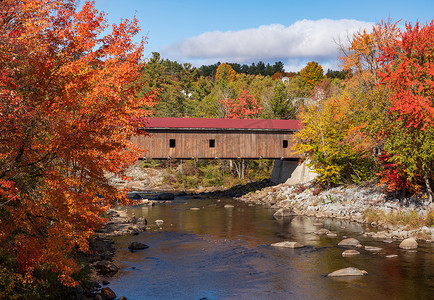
pixel 246 106
pixel 225 73
pixel 336 136
pixel 68 108
pixel 365 48
pixel 311 74
pixel 409 72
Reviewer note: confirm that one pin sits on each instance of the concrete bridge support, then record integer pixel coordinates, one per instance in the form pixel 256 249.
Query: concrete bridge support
pixel 291 172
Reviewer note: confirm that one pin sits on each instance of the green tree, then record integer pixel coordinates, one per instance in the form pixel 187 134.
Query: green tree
pixel 281 104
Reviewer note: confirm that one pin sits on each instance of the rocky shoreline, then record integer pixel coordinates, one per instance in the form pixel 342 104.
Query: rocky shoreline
pixel 351 203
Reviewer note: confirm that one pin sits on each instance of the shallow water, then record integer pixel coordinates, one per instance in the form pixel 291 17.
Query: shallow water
pixel 224 253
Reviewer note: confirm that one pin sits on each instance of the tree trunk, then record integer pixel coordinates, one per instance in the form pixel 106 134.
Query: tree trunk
pixel 428 186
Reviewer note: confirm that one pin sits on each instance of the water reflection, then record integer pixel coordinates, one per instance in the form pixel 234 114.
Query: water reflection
pixel 223 253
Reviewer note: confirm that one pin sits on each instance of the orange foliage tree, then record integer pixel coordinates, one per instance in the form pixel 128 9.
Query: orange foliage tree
pixel 364 50
pixel 68 108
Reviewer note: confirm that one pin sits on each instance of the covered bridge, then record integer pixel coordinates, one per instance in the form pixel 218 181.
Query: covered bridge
pixel 187 138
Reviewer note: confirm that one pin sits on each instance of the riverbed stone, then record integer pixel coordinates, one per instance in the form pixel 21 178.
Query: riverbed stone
pixel 106 268
pixel 159 222
pixel 408 244
pixel 331 235
pixel 351 242
pixel 391 255
pixel 288 244
pixel 283 212
pixel 322 231
pixel 350 271
pixel 108 292
pixel 349 253
pixel 137 246
pixel 373 249
pixel 228 206
pixel 194 208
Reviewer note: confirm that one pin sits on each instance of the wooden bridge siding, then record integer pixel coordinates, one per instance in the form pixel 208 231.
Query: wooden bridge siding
pixel 227 145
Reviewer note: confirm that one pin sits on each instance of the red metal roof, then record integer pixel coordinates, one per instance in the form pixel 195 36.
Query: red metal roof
pixel 222 123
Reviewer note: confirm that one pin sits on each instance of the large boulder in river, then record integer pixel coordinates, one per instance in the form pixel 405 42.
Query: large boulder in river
pixel 347 272
pixel 350 242
pixel 283 212
pixel 408 244
pixel 287 244
pixel 137 246
pixel 166 196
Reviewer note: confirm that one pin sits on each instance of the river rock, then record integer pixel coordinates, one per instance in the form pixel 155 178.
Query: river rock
pixel 373 249
pixel 108 292
pixel 137 246
pixel 283 212
pixel 194 208
pixel 136 196
pixel 408 244
pixel 350 271
pixel 287 244
pixel 322 231
pixel 228 206
pixel 159 222
pixel 391 255
pixel 166 196
pixel 331 235
pixel 106 268
pixel 349 253
pixel 352 242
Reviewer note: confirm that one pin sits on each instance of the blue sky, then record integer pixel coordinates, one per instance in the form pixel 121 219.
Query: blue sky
pixel 294 32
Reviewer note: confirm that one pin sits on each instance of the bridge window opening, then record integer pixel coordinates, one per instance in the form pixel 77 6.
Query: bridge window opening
pixel 285 144
pixel 172 143
pixel 212 143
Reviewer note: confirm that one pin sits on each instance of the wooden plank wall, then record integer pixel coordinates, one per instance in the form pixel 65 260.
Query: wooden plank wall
pixel 228 144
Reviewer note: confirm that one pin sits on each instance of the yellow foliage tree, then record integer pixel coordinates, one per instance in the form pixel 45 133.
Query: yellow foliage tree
pixel 311 74
pixel 225 73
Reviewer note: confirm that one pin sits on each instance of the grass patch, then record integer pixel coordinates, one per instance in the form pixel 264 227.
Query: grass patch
pixel 401 217
pixel 191 174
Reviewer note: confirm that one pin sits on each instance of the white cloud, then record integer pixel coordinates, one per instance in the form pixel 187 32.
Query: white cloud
pixel 296 44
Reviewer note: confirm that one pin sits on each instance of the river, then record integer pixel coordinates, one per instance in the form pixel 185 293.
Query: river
pixel 224 253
